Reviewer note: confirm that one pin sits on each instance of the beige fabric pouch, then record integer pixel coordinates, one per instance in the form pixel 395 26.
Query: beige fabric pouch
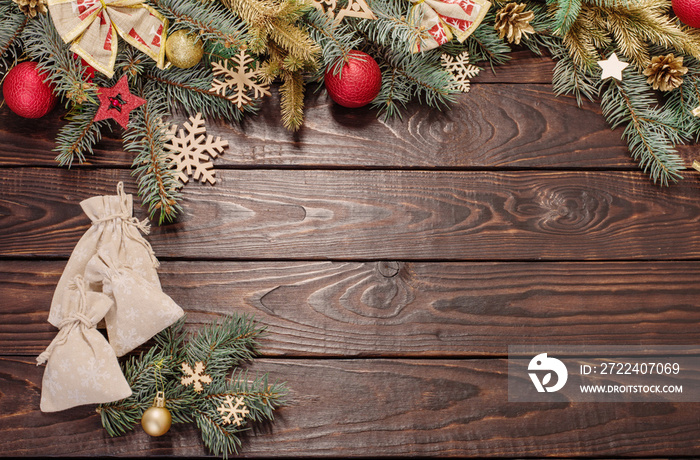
pixel 141 309
pixel 82 367
pixel 115 231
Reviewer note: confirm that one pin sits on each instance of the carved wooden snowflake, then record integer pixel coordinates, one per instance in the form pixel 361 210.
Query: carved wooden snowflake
pixel 196 376
pixel 461 69
pixel 190 153
pixel 354 9
pixel 239 78
pixel 237 411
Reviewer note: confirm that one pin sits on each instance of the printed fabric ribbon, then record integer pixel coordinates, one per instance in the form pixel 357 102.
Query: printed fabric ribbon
pixel 92 27
pixel 446 19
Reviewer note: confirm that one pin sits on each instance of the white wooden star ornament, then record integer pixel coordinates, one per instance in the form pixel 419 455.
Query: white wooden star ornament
pixel 612 67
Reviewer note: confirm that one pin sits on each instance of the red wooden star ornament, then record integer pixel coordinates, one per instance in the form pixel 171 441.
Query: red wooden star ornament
pixel 117 102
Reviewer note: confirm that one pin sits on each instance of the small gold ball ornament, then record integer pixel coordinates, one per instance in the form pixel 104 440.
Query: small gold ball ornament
pixel 156 420
pixel 184 49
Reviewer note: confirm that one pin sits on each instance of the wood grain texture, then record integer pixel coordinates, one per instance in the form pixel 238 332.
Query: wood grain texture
pixel 373 408
pixel 504 126
pixel 375 215
pixel 396 309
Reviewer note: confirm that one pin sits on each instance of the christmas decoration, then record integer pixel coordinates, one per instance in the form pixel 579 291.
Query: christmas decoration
pixel 156 420
pixel 354 9
pixel 240 78
pixel 32 7
pixel 195 377
pixel 612 67
pixel 82 368
pixel 288 42
pixel 184 49
pixel 512 22
pixel 237 411
pixel 461 69
pixel 193 151
pixel 665 72
pixel 118 262
pixel 26 93
pixel 696 111
pixel 687 11
pixel 219 346
pixel 117 102
pixel 445 20
pixel 357 83
pixel 81 22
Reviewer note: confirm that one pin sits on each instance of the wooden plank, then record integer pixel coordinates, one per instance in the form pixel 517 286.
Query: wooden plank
pixel 375 215
pixel 494 126
pixel 372 408
pixel 385 309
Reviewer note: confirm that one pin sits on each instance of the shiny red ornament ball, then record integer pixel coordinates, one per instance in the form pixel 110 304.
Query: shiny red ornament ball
pixel 25 92
pixel 687 11
pixel 358 83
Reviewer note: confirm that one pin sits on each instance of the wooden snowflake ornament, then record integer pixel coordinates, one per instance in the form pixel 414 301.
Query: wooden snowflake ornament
pixel 236 411
pixel 355 9
pixel 461 69
pixel 239 78
pixel 195 376
pixel 191 153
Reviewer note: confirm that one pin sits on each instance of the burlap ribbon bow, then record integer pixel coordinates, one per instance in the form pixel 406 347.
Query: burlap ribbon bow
pixel 446 19
pixel 92 26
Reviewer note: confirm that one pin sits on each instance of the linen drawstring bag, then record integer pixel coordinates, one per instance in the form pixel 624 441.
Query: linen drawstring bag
pixel 141 309
pixel 117 232
pixel 81 366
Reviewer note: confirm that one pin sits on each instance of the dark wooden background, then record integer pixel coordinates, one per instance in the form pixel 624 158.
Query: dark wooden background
pixel 393 263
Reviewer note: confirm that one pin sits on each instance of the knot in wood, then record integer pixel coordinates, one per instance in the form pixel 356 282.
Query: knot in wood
pixel 388 269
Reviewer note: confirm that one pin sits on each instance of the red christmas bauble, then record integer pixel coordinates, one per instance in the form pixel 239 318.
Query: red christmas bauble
pixel 25 92
pixel 358 83
pixel 687 11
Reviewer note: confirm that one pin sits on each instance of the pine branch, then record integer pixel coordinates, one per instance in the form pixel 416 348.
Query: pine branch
pixel 565 14
pixel 224 344
pixel 210 20
pixel 158 186
pixel 335 42
pixel 406 75
pixel 292 100
pixel 61 67
pixel 11 27
pixel 391 29
pixel 651 133
pixel 192 89
pixel 484 44
pixel 79 135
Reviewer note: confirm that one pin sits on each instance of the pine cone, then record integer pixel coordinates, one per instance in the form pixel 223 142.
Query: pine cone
pixel 512 22
pixel 665 72
pixel 31 7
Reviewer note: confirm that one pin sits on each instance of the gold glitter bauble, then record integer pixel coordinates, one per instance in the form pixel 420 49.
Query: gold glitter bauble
pixel 184 49
pixel 157 419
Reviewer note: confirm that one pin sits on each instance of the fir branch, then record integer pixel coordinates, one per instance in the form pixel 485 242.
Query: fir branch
pixel 484 44
pixel 391 29
pixel 224 344
pixel 565 14
pixel 79 135
pixel 158 186
pixel 407 75
pixel 571 79
pixel 63 70
pixel 651 133
pixel 192 89
pixel 211 21
pixel 13 23
pixel 335 41
pixel 292 100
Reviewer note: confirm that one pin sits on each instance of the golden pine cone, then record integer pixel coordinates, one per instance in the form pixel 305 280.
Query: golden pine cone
pixel 512 22
pixel 31 7
pixel 665 72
